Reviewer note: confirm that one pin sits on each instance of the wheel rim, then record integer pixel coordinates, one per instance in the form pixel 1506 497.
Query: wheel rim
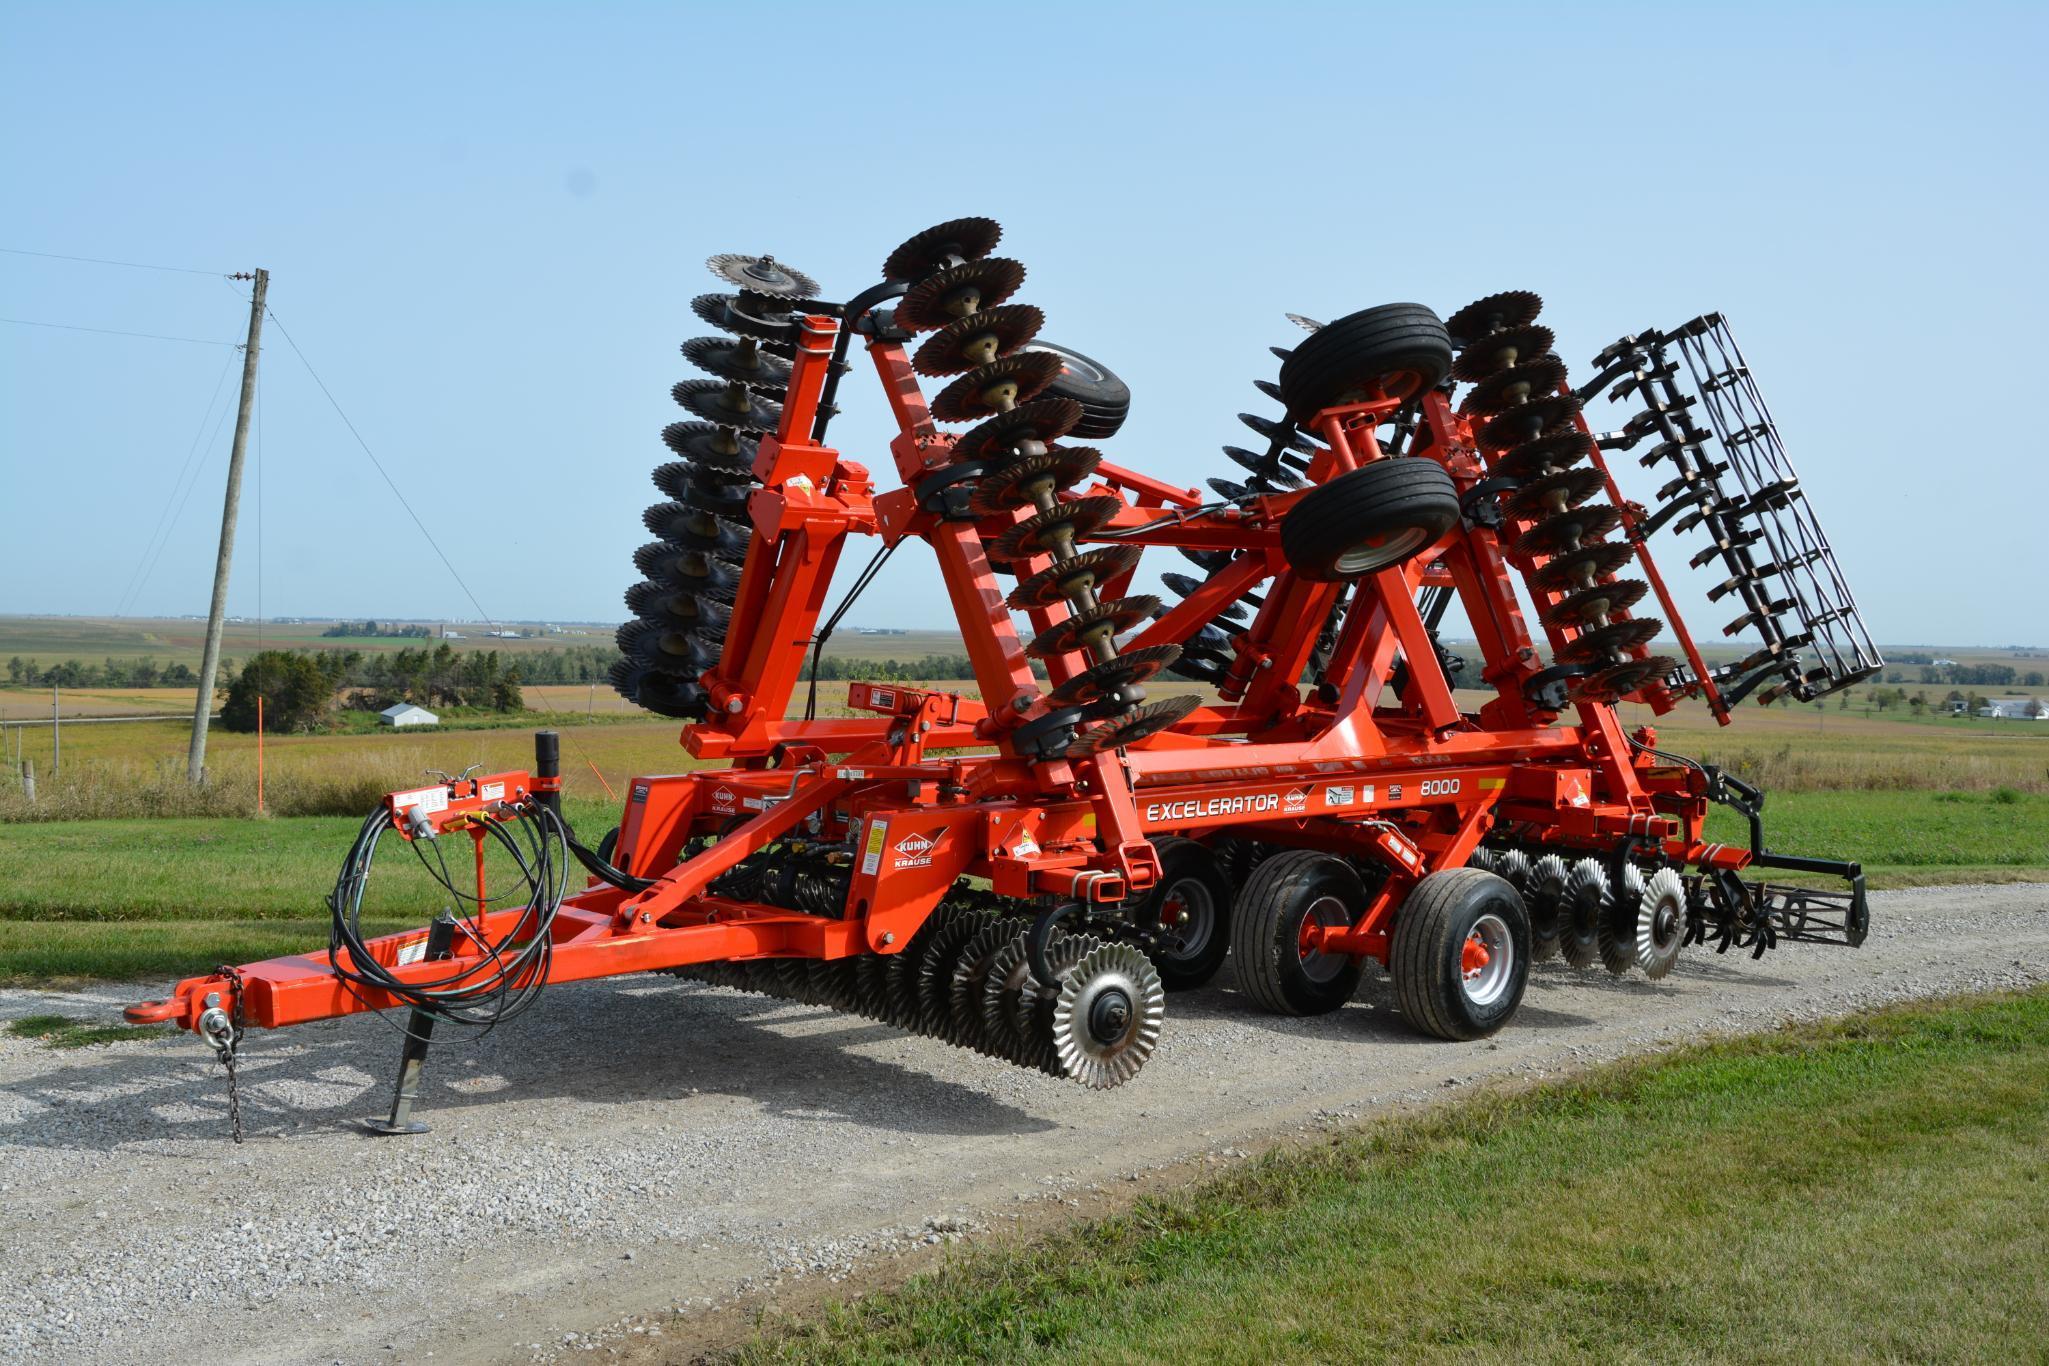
pixel 1382 551
pixel 1486 961
pixel 1327 912
pixel 1190 936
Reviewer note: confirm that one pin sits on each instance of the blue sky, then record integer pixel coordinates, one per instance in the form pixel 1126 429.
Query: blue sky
pixel 485 226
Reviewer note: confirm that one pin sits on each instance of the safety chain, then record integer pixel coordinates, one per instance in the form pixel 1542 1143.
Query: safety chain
pixel 223 1029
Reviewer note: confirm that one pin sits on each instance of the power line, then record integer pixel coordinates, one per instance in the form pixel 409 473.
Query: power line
pixel 213 444
pixel 446 563
pixel 97 261
pixel 136 577
pixel 110 332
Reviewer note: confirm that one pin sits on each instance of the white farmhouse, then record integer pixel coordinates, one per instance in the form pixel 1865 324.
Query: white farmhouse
pixel 406 714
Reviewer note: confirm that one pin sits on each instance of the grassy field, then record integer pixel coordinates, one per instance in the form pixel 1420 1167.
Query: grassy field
pixel 1871 1189
pixel 126 899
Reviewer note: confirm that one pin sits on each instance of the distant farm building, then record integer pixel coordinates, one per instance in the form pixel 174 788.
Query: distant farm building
pixel 406 714
pixel 2014 709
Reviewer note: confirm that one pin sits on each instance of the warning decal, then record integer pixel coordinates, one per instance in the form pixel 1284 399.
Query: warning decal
pixel 871 851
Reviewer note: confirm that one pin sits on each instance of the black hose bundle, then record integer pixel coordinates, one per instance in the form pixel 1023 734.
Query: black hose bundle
pixel 493 980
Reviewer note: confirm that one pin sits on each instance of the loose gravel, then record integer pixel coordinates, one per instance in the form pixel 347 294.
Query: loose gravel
pixel 638 1147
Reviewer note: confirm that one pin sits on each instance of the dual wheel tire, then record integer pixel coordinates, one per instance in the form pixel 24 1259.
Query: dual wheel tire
pixel 1396 351
pixel 1384 512
pixel 1191 907
pixel 1105 399
pixel 1460 958
pixel 1369 519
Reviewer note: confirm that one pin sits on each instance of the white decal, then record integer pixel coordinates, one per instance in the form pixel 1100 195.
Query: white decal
pixel 1438 787
pixel 426 800
pixel 871 853
pixel 1212 806
pixel 1337 796
pixel 492 792
pixel 913 851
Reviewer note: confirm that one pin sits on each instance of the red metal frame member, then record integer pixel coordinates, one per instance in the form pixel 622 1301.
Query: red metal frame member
pixel 928 786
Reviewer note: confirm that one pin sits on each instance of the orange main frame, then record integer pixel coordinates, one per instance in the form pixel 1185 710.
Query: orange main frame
pixel 927 788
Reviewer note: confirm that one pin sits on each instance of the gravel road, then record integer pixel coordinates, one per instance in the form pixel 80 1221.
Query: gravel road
pixel 637 1146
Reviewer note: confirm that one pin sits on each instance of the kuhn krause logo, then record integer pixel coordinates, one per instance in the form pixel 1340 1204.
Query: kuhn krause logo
pixel 913 851
pixel 722 797
pixel 1297 800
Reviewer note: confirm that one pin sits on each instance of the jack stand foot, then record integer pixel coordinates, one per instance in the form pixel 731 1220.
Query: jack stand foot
pixel 387 1127
pixel 413 1058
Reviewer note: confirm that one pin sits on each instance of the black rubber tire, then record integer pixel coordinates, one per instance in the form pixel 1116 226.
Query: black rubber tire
pixel 1105 399
pixel 1393 351
pixel 1426 960
pixel 1266 932
pixel 1189 870
pixel 683 699
pixel 1369 518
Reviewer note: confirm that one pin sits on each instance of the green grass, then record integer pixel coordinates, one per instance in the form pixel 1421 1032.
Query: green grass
pixel 482 718
pixel 1874 1188
pixel 1907 839
pixel 61 1031
pixel 122 900
pixel 64 953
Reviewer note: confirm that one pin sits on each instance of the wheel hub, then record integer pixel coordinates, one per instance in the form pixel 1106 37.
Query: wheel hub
pixel 1109 1015
pixel 1326 915
pixel 1487 960
pixel 1106 1016
pixel 1474 958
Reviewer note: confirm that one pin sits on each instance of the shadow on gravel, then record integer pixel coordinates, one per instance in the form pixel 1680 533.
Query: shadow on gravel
pixel 623 1043
pixel 1369 1019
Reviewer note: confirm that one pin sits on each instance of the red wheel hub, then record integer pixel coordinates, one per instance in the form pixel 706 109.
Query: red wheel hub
pixel 1474 956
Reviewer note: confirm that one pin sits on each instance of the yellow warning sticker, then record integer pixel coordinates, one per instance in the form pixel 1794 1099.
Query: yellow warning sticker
pixel 1493 784
pixel 871 852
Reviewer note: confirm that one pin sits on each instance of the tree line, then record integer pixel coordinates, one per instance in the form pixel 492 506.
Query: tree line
pixel 1966 675
pixel 302 689
pixel 573 664
pixel 141 672
pixel 930 667
pixel 376 630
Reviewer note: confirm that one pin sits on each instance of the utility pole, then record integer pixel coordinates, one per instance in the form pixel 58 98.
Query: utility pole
pixel 195 763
